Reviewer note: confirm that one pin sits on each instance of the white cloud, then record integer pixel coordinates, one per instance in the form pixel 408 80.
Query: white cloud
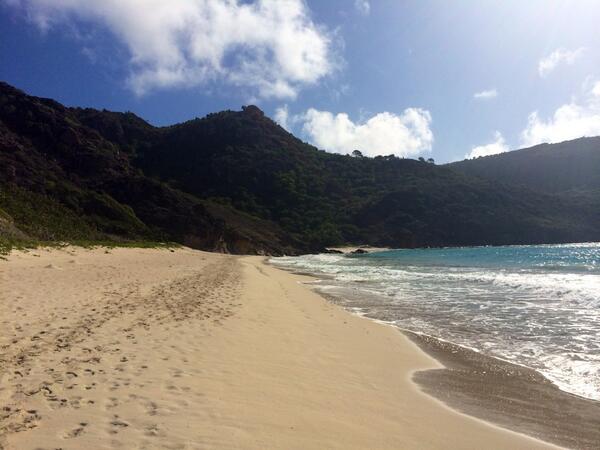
pixel 270 47
pixel 407 134
pixel 559 56
pixel 493 148
pixel 486 95
pixel 569 121
pixel 282 116
pixel 362 6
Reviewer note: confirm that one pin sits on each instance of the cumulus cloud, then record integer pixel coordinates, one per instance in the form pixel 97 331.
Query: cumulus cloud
pixel 362 6
pixel 407 134
pixel 282 116
pixel 559 56
pixel 486 95
pixel 570 121
pixel 493 148
pixel 270 47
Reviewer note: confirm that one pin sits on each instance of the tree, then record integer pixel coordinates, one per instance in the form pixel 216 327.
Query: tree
pixel 421 159
pixel 357 154
pixel 431 161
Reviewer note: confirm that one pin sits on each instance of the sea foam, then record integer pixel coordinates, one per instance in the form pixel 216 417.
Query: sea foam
pixel 538 306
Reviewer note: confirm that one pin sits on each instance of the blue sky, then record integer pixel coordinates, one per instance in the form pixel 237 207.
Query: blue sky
pixel 383 76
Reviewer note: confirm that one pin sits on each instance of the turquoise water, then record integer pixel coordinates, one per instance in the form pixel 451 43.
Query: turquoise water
pixel 538 306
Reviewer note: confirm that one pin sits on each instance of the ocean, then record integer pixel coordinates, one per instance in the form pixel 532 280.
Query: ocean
pixel 537 306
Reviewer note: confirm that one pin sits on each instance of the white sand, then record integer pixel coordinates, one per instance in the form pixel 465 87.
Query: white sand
pixel 183 350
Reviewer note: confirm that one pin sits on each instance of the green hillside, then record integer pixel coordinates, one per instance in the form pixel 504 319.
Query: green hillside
pixel 553 168
pixel 235 181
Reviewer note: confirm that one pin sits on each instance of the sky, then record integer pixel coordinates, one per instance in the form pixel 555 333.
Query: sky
pixel 435 78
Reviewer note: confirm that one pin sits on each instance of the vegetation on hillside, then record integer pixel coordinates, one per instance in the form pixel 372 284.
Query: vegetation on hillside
pixel 235 181
pixel 552 168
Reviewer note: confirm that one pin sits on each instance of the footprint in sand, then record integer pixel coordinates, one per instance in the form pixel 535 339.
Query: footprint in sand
pixel 117 425
pixel 151 408
pixel 113 402
pixel 76 432
pixel 153 431
pixel 75 402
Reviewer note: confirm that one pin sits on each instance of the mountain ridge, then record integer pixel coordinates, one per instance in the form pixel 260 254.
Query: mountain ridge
pixel 236 181
pixel 552 168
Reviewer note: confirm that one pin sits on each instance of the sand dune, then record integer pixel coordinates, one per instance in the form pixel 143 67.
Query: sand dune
pixel 138 348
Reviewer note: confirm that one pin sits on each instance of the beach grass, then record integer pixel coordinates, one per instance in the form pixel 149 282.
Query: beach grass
pixel 8 244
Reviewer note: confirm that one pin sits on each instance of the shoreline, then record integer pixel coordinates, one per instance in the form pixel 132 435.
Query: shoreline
pixel 512 396
pixel 509 395
pixel 350 249
pixel 143 348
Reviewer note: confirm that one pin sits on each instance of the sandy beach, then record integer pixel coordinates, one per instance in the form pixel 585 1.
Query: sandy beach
pixel 181 349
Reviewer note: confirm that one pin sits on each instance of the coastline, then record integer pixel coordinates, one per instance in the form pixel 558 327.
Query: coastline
pixel 142 348
pixel 497 391
pixel 349 249
pixel 510 395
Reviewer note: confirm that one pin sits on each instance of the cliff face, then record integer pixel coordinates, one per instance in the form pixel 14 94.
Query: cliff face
pixel 235 181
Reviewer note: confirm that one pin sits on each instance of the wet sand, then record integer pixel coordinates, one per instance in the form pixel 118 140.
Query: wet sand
pixel 510 395
pixel 491 389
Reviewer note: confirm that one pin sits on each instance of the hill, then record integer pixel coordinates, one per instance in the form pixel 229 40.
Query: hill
pixel 62 180
pixel 235 181
pixel 553 168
